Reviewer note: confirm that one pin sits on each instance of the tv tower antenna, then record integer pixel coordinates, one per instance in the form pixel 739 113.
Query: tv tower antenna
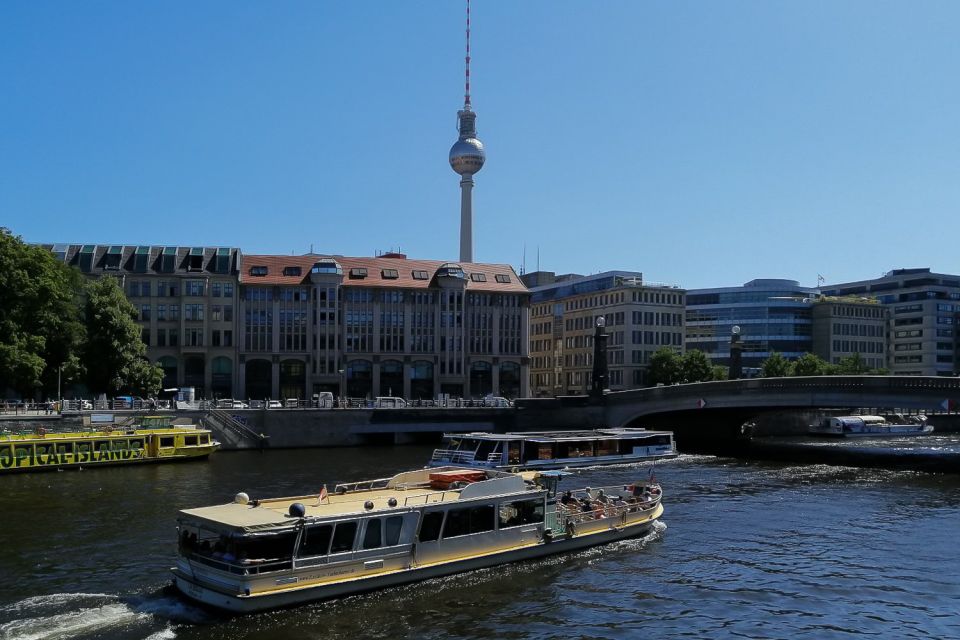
pixel 466 158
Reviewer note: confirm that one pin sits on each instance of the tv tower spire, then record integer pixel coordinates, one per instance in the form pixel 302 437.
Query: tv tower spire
pixel 466 158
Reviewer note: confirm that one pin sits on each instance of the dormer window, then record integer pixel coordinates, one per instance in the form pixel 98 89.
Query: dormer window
pixel 195 259
pixel 503 279
pixel 86 257
pixel 223 260
pixel 292 271
pixel 140 259
pixel 478 277
pixel 111 261
pixel 168 263
pixel 259 270
pixel 326 266
pixel 421 275
pixel 389 274
pixel 358 273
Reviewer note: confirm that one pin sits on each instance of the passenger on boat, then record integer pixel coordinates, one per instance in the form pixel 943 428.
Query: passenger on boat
pixel 567 498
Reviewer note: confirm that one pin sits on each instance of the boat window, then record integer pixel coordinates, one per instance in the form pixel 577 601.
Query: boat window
pixel 513 514
pixel 274 547
pixel 606 447
pixel 64 448
pixel 136 444
pixel 166 442
pixel 316 540
pixel 43 450
pixel 545 451
pixel 485 449
pixel 101 445
pixel 205 439
pixel 343 537
pixel 372 537
pixel 430 527
pixel 393 529
pixel 462 522
pixel 190 441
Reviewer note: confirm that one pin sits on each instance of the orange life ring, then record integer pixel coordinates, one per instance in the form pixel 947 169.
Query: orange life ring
pixel 41 432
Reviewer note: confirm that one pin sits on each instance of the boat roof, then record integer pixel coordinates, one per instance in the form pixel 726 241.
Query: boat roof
pixel 410 490
pixel 560 436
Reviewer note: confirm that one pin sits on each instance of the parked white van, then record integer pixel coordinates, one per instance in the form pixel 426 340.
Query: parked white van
pixel 389 403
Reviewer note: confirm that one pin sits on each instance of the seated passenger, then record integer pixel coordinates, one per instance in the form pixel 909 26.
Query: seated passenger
pixel 567 498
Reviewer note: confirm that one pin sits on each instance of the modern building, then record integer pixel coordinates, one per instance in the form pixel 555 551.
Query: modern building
pixel 774 315
pixel 185 297
pixel 640 318
pixel 848 326
pixel 923 311
pixel 384 326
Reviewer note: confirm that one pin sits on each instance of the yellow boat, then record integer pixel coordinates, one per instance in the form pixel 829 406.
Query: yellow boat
pixel 150 439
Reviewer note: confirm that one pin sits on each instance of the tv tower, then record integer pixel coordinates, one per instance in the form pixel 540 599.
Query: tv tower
pixel 466 158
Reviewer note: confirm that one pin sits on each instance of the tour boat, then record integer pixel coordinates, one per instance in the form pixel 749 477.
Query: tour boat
pixel 553 449
pixel 257 554
pixel 149 439
pixel 871 426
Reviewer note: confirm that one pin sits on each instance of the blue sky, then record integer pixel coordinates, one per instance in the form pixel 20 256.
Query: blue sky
pixel 705 144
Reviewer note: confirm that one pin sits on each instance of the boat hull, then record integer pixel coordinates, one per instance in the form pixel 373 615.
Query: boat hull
pixel 895 431
pixel 612 531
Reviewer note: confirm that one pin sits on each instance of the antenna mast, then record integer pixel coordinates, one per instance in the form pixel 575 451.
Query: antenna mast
pixel 466 95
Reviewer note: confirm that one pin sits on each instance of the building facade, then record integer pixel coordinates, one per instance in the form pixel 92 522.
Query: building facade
pixel 844 327
pixel 923 311
pixel 774 315
pixel 261 326
pixel 640 318
pixel 384 326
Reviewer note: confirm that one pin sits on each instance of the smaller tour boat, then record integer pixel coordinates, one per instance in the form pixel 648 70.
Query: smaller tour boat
pixel 148 439
pixel 553 449
pixel 253 555
pixel 871 426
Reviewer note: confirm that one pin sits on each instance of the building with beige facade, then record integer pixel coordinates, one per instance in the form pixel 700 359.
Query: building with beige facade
pixel 640 318
pixel 266 326
pixel 843 327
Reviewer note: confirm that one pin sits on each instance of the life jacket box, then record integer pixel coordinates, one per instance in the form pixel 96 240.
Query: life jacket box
pixel 443 479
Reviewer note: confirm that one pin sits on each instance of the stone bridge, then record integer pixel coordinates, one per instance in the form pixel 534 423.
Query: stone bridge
pixel 716 410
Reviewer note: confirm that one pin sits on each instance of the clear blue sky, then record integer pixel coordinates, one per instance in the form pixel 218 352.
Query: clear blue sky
pixel 703 143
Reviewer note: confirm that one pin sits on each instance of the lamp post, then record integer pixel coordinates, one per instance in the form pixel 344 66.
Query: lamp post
pixel 343 387
pixel 736 366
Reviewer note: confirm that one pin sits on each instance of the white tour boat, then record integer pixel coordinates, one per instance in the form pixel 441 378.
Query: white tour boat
pixel 252 555
pixel 553 449
pixel 871 426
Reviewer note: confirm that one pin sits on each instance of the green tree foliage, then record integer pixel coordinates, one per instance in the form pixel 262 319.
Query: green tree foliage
pixel 114 352
pixel 695 367
pixel 776 366
pixel 665 366
pixel 720 372
pixel 810 365
pixel 852 365
pixel 40 328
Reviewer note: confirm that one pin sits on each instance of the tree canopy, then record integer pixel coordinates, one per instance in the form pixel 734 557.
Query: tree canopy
pixel 776 366
pixel 669 367
pixel 40 326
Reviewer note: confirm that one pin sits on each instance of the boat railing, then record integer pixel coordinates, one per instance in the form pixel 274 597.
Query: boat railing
pixel 366 485
pixel 592 506
pixel 427 498
pixel 454 456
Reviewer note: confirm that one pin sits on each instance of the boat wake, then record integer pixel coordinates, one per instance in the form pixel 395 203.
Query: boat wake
pixel 60 616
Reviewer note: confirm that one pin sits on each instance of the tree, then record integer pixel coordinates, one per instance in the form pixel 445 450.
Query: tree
pixel 40 328
pixel 852 365
pixel 809 365
pixel 665 366
pixel 720 373
pixel 114 352
pixel 776 366
pixel 695 367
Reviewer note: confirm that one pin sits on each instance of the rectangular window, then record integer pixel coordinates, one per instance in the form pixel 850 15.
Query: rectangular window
pixel 227 289
pixel 430 526
pixel 514 514
pixel 373 535
pixel 228 338
pixel 161 312
pixel 193 287
pixel 161 337
pixel 259 271
pixel 468 520
pixel 343 537
pixel 292 271
pixel 228 312
pixel 389 274
pixel 392 530
pixel 478 277
pixel 174 335
pixel 215 289
pixel 358 272
pixel 421 275
pixel 501 278
pixel 316 540
pixel 223 260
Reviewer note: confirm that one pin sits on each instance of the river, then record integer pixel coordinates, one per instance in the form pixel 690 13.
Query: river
pixel 744 550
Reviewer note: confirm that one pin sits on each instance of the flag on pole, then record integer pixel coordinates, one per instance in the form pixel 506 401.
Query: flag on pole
pixel 323 495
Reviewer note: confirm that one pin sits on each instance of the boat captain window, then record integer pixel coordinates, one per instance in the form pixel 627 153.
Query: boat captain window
pixel 430 527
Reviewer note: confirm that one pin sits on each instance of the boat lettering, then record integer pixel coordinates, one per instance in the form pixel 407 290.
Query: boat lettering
pixel 6 458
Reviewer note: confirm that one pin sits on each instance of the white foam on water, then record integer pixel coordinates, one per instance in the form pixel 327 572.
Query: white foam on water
pixel 70 624
pixel 52 600
pixel 163 634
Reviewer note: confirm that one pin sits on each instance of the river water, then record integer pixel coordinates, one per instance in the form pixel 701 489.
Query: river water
pixel 744 550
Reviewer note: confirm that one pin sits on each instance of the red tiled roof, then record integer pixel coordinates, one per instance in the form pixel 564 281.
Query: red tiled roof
pixel 375 266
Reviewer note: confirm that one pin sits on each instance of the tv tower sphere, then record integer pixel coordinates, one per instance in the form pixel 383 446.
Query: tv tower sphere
pixel 466 154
